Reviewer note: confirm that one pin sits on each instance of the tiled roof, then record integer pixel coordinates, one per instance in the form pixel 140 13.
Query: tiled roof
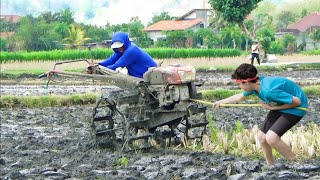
pixel 11 18
pixel 166 25
pixel 312 19
pixel 6 34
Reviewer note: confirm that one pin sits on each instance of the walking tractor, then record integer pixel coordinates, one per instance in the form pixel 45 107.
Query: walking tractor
pixel 141 105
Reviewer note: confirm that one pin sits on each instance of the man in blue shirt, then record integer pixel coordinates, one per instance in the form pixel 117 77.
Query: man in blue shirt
pixel 127 54
pixel 281 97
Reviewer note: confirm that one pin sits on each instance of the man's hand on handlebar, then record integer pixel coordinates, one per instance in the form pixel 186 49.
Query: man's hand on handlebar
pixel 91 67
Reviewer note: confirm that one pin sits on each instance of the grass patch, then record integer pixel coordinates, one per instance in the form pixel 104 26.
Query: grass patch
pixel 47 101
pixel 304 141
pixel 12 74
pixel 20 73
pixel 312 90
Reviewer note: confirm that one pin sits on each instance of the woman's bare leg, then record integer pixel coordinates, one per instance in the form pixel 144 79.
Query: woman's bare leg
pixel 275 141
pixel 266 148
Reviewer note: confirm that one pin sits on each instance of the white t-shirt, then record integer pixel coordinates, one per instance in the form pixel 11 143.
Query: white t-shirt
pixel 254 48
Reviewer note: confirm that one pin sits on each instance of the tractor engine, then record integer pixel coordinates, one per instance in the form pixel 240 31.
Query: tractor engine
pixel 171 84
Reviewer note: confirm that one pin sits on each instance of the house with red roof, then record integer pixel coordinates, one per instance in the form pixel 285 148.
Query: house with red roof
pixel 304 26
pixel 11 19
pixel 194 20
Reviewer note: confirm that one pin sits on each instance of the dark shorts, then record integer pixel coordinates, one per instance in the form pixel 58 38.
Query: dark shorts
pixel 279 122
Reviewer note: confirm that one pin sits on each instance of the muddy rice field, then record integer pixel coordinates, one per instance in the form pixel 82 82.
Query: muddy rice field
pixel 58 143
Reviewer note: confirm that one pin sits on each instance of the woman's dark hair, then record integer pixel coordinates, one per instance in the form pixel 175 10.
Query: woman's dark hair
pixel 245 71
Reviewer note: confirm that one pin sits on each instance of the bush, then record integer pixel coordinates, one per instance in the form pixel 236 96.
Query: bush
pixel 276 48
pixel 3 45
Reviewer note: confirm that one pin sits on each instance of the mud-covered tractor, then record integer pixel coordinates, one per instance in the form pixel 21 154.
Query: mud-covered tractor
pixel 141 105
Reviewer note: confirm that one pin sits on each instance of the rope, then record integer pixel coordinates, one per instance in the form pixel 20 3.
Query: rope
pixel 239 105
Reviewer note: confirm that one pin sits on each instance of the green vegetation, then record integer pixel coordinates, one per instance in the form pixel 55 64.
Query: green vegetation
pixel 20 73
pixel 99 53
pixel 242 142
pixel 123 161
pixel 46 101
pixel 312 52
pixel 312 90
pixel 55 55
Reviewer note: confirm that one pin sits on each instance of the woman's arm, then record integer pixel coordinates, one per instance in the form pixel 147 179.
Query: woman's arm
pixel 232 99
pixel 295 102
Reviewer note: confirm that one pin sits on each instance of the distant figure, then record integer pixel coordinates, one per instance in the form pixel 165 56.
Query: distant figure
pixel 255 52
pixel 128 55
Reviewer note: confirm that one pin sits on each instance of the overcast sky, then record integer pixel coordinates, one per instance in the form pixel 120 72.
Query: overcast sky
pixel 99 12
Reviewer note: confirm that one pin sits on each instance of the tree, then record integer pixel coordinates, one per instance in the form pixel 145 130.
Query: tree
pixel 233 32
pixel 96 34
pixel 176 39
pixel 261 20
pixel 304 13
pixel 208 38
pixel 76 37
pixel 161 16
pixel 8 26
pixel 36 35
pixel 48 17
pixel 136 32
pixel 315 35
pixel 216 22
pixel 66 16
pixel 3 45
pixel 265 36
pixel 61 28
pixel 288 39
pixel 235 11
pixel 276 47
pixel 285 18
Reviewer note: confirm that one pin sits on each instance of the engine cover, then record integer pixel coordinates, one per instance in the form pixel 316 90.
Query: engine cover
pixel 170 75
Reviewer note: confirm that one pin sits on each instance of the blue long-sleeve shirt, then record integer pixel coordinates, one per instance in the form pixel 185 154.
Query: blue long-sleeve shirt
pixel 135 59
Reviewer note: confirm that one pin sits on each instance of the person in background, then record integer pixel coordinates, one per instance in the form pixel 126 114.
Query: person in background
pixel 255 52
pixel 128 55
pixel 280 96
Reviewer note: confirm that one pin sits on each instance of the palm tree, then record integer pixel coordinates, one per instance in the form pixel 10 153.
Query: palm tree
pixel 75 37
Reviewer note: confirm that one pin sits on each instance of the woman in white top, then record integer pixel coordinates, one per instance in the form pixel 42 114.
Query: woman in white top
pixel 255 52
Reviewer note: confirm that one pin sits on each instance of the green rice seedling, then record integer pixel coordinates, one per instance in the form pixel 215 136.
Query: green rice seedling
pixel 47 101
pixel 196 145
pixel 76 99
pixel 208 144
pixel 9 101
pixel 218 93
pixel 312 90
pixel 239 126
pixel 213 130
pixel 226 141
pixel 123 161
